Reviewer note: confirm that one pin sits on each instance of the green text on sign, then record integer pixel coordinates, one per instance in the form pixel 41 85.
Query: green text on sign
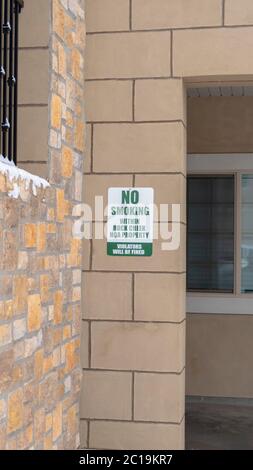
pixel 129 249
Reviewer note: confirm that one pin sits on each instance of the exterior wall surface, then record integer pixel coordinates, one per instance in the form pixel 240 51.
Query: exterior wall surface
pixel 219 346
pixel 139 52
pixel 40 260
pixel 218 360
pixel 133 370
pixel 34 61
pixel 220 125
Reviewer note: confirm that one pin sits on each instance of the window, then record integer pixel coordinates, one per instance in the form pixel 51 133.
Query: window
pixel 246 233
pixel 220 233
pixel 210 242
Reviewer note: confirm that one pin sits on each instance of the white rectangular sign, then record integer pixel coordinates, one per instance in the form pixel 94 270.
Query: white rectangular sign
pixel 130 222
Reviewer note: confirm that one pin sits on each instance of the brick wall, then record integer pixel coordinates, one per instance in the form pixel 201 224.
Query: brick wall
pixel 140 53
pixel 40 275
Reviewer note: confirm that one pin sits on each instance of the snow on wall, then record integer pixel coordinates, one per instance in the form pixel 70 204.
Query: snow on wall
pixel 16 174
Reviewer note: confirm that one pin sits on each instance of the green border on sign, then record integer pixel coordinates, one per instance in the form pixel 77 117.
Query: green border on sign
pixel 129 249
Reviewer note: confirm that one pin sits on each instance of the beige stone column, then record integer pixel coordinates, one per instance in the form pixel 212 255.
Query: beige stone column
pixel 133 308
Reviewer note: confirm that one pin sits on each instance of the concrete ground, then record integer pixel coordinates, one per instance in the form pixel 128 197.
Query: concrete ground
pixel 219 425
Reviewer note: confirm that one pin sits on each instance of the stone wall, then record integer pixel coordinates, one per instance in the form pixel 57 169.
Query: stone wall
pixel 133 308
pixel 140 54
pixel 40 276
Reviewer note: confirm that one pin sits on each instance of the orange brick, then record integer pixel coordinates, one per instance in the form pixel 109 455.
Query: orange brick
pixel 41 263
pixel 30 235
pixel 76 60
pixel 32 283
pixel 44 287
pixel 69 38
pixel 47 364
pixel 49 422
pixel 77 343
pixel 50 213
pixel 56 356
pixel 8 309
pixel 78 109
pixel 2 408
pixel 69 136
pixel 80 35
pixel 39 424
pixel 79 135
pixel 41 237
pixel 57 421
pixel 15 410
pixel 61 60
pixel 20 290
pixel 38 364
pixel 56 112
pixel 57 336
pixel 70 356
pixel 67 162
pixel 51 228
pixel 58 303
pixel 72 421
pixel 66 332
pixel 5 334
pixel 60 201
pixel 2 313
pixel 74 257
pixel 69 119
pixel 34 312
pixel 58 19
pixel 70 313
pixel 17 373
pixel 69 23
pixel 67 207
pixel 48 442
pixel 28 436
pixel 76 294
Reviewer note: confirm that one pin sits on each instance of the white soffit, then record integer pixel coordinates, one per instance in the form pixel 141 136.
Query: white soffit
pixel 205 92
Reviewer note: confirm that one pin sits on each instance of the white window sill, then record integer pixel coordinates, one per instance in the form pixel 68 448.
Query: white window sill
pixel 219 305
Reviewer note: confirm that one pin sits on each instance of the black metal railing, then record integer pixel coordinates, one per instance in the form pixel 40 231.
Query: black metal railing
pixel 9 41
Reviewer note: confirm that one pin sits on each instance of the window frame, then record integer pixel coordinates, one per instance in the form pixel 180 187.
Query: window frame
pixel 213 175
pixel 227 165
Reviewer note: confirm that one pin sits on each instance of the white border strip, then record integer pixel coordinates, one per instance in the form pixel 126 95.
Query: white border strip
pixel 217 305
pixel 197 163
